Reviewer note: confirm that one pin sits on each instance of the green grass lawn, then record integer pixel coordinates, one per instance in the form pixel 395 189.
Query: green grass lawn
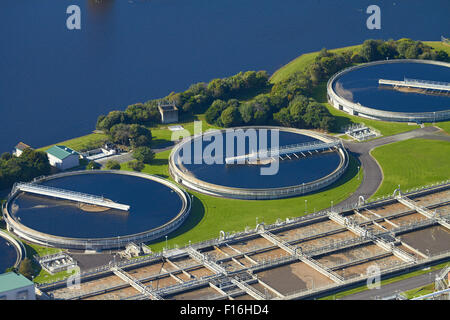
pixel 412 163
pixel 161 134
pixel 93 140
pixel 210 215
pixel 417 292
pixel 301 62
pixel 444 126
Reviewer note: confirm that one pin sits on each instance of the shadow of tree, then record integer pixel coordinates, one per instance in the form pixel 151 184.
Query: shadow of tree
pixel 31 252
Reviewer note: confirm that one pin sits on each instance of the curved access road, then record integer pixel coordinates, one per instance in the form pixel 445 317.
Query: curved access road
pixel 373 174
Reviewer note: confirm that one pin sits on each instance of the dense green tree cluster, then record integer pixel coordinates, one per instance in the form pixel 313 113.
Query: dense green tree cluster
pixel 134 135
pixel 26 268
pixel 372 50
pixel 144 154
pixel 112 165
pixel 136 165
pixel 29 165
pixel 92 165
pixel 303 112
pixel 248 98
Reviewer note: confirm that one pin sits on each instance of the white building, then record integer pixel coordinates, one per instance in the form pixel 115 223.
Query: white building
pixel 18 150
pixel 15 286
pixel 63 157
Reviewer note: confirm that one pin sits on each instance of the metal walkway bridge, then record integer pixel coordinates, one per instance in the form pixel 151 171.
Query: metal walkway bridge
pixel 69 195
pixel 419 84
pixel 136 284
pixel 303 149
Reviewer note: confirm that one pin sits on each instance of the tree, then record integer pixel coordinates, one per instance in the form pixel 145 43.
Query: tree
pixel 144 154
pixel 113 118
pixel 92 165
pixel 26 268
pixel 230 117
pixel 112 165
pixel 136 165
pixel 214 111
pixel 369 50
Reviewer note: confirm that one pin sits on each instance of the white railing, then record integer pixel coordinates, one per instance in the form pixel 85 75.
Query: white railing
pixel 69 195
pixel 284 150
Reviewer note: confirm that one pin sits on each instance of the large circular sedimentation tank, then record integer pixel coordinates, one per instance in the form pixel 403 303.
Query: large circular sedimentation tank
pixel 157 207
pixel 358 91
pixel 10 253
pixel 292 175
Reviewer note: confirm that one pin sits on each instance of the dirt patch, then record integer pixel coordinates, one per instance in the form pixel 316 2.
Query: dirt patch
pixel 251 245
pixel 269 255
pixel 408 219
pixel 362 269
pixel 309 230
pixel 325 241
pixel 432 240
pixel 390 209
pixel 205 293
pixel 200 272
pixel 293 278
pixel 147 271
pixel 346 256
pixel 433 198
pixel 116 294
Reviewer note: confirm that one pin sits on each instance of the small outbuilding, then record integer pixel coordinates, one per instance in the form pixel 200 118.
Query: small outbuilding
pixel 168 111
pixel 15 286
pixel 63 157
pixel 18 150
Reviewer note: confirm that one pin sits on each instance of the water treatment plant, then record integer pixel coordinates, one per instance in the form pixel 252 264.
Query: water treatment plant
pixel 306 161
pixel 210 169
pixel 404 90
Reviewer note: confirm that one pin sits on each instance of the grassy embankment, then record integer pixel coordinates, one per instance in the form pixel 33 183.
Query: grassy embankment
pixel 412 163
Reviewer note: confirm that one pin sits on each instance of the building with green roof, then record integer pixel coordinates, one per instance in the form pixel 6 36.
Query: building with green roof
pixel 63 157
pixel 15 286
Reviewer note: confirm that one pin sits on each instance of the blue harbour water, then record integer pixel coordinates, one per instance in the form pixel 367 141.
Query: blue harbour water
pixel 361 86
pixel 54 82
pixel 8 255
pixel 290 172
pixel 152 205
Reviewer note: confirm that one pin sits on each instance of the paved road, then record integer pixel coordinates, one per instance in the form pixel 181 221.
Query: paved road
pixel 391 289
pixel 128 156
pixel 373 175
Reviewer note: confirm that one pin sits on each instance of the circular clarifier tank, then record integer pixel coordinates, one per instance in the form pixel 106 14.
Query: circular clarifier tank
pixel 414 90
pixel 156 207
pixel 301 171
pixel 8 254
